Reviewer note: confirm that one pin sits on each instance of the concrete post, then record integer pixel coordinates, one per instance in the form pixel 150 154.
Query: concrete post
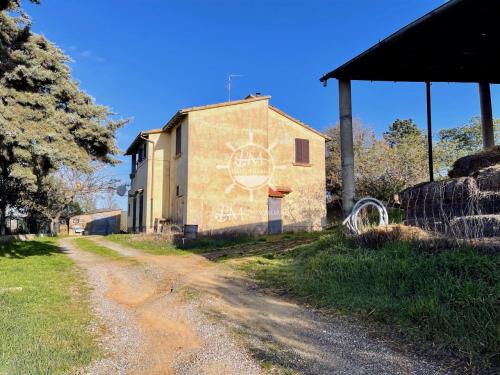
pixel 429 131
pixel 346 146
pixel 486 115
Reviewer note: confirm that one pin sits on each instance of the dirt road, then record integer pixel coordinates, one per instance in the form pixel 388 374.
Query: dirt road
pixel 187 315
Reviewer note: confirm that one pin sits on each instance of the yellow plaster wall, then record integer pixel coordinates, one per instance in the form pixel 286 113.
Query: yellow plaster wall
pixel 211 175
pixel 305 207
pixel 216 200
pixel 179 175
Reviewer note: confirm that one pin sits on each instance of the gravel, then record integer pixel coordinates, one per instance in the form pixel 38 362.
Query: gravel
pixel 186 315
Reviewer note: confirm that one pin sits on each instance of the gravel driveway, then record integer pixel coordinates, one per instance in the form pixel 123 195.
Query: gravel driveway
pixel 187 315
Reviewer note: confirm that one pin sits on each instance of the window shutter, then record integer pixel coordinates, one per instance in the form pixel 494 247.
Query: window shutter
pixel 301 151
pixel 298 150
pixel 305 151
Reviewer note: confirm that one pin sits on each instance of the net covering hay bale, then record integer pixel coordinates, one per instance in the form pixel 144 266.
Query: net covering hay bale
pixel 489 178
pixel 477 226
pixel 471 164
pixel 455 206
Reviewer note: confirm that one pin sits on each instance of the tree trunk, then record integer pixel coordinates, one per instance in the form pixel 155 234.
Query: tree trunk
pixel 54 224
pixel 3 220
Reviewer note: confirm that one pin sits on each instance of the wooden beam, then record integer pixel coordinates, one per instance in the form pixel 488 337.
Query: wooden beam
pixel 346 146
pixel 486 115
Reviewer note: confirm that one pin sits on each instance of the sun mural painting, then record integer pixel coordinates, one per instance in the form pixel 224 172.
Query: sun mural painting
pixel 250 166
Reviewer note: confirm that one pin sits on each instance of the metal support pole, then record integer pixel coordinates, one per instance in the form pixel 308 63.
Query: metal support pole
pixel 429 131
pixel 486 115
pixel 346 146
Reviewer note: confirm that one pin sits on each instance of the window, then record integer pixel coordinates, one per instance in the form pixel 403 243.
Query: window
pixel 134 163
pixel 301 151
pixel 178 137
pixel 141 153
pixel 177 191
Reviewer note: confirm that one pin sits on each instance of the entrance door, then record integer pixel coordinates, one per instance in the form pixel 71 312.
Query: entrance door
pixel 141 211
pixel 134 213
pixel 274 212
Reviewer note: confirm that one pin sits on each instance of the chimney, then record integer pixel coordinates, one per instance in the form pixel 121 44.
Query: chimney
pixel 256 95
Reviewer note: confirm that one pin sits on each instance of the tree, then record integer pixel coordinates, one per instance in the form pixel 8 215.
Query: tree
pixel 382 167
pixel 456 142
pixel 46 121
pixel 62 190
pixel 363 138
pixel 402 131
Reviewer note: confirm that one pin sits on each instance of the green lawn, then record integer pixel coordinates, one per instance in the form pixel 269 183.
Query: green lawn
pixel 149 245
pixel 163 246
pixel 44 325
pixel 449 298
pixel 87 244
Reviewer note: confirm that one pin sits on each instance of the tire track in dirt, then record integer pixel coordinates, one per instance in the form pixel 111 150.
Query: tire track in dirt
pixel 272 329
pixel 151 327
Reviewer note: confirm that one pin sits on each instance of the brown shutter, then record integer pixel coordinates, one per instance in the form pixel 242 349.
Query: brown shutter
pixel 298 150
pixel 305 151
pixel 301 151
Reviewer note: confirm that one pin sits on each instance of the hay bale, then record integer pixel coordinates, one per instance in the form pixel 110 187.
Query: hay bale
pixel 477 226
pixel 460 188
pixel 439 191
pixel 420 192
pixel 488 202
pixel 378 236
pixel 488 179
pixel 471 164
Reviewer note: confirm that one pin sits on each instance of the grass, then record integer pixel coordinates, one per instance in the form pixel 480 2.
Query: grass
pixel 162 245
pixel 158 245
pixel 90 246
pixel 446 300
pixel 146 243
pixel 44 325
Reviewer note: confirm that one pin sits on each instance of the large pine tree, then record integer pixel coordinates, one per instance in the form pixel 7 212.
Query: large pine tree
pixel 46 120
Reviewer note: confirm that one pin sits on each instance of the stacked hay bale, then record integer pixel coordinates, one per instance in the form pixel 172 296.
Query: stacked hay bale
pixel 465 206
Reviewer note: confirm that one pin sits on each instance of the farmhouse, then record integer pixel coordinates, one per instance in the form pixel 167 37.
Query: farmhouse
pixel 238 166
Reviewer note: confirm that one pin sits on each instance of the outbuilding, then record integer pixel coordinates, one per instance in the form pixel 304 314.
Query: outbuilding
pixel 101 222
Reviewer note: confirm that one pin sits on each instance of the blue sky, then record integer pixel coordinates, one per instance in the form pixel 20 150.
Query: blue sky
pixel 147 59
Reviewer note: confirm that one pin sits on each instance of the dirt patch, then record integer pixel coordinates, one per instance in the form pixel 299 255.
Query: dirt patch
pixel 272 329
pixel 150 327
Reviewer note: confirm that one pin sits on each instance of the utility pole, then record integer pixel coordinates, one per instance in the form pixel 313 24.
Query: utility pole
pixel 232 75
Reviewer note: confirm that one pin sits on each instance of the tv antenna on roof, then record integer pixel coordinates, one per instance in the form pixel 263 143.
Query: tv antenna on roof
pixel 232 75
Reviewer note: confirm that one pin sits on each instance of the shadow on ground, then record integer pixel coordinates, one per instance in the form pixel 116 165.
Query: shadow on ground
pixel 24 249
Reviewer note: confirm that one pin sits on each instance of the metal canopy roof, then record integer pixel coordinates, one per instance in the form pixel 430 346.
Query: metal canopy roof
pixel 457 42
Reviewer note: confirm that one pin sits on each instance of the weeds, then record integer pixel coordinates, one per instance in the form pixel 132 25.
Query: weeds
pixel 448 298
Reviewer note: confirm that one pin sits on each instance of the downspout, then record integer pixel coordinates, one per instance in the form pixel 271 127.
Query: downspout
pixel 152 176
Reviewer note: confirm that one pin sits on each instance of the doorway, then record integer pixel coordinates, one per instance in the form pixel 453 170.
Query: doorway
pixel 275 223
pixel 134 214
pixel 141 211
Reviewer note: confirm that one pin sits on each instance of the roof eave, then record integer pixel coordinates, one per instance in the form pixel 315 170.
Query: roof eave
pixel 337 73
pixel 279 111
